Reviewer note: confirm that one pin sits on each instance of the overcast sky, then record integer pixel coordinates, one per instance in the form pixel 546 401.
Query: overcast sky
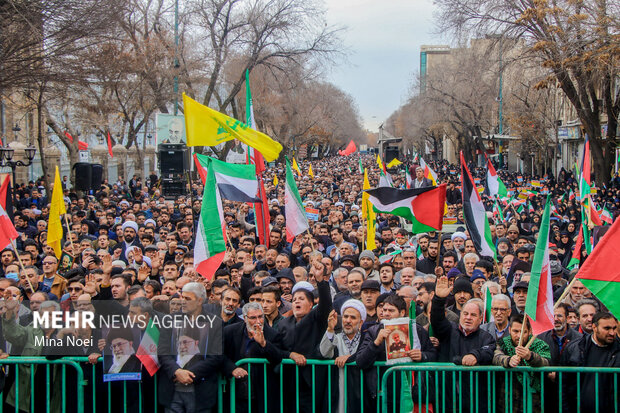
pixel 384 39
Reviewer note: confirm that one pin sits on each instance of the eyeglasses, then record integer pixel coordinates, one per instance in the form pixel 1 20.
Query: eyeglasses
pixel 499 310
pixel 118 345
pixel 186 343
pixel 72 289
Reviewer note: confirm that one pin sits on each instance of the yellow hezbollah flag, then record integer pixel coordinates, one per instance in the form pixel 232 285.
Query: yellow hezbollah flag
pixel 207 127
pixel 275 180
pixel 379 162
pixel 296 167
pixel 369 215
pixel 394 162
pixel 54 225
pixel 310 172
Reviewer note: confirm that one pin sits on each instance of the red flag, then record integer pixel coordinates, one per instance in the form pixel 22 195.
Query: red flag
pixel 82 146
pixel 110 145
pixel 349 149
pixel 7 230
pixel 6 196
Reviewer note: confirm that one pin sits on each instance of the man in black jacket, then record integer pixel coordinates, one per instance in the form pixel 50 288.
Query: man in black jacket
pixel 302 332
pixel 255 339
pixel 558 339
pixel 465 344
pixel 372 349
pixel 599 349
pixel 189 380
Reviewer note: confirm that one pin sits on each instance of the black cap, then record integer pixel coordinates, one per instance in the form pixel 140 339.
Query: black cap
pixel 286 273
pixel 520 285
pixel 268 281
pixel 352 258
pixel 371 285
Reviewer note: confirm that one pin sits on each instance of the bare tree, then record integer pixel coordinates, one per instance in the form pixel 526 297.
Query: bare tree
pixel 575 41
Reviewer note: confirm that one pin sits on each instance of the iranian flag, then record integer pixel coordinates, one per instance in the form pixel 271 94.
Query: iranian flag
pixel 361 167
pixel 575 259
pixel 600 273
pixel 408 179
pixel 475 214
pixel 539 302
pixel 235 182
pixel 495 187
pixel 147 351
pixel 296 219
pixel 428 172
pixel 488 299
pixel 422 206
pixel 385 180
pixel 606 216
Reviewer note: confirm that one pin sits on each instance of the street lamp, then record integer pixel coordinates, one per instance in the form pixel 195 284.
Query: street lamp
pixel 6 159
pixel 149 138
pixel 16 130
pixel 100 138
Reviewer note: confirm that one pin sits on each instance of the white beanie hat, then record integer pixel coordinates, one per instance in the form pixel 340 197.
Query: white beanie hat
pixel 355 304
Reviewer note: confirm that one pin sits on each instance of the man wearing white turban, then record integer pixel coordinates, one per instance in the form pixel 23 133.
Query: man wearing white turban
pixel 346 343
pixel 130 239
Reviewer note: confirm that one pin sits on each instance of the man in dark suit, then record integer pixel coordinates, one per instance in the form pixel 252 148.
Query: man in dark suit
pixel 372 349
pixel 255 339
pixel 420 181
pixel 190 365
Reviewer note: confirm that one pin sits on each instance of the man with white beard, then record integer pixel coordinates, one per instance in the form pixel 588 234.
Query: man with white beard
pixel 346 343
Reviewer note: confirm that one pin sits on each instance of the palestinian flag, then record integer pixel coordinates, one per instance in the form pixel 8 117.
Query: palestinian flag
pixel 495 187
pixel 428 172
pixel 422 206
pixel 296 219
pixel 599 274
pixel 389 257
pixel 475 215
pixel 368 214
pixel 235 182
pixel 575 259
pixel 147 351
pixel 539 302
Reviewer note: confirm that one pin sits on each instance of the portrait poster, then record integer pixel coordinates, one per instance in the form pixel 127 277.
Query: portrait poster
pixel 170 129
pixel 397 343
pixel 119 354
pixel 66 262
pixel 238 153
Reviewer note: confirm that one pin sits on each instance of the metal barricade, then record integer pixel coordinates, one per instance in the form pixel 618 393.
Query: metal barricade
pixel 54 400
pixel 435 387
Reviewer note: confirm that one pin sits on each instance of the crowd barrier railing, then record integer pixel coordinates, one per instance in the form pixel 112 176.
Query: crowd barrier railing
pixel 428 387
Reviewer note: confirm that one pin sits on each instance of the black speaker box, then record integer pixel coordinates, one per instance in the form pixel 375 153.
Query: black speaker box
pixel 172 159
pixel 83 176
pixel 97 177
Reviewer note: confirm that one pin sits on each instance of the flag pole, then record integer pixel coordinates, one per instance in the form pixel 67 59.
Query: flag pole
pixel 69 234
pixel 525 320
pixel 21 264
pixel 439 243
pixel 566 291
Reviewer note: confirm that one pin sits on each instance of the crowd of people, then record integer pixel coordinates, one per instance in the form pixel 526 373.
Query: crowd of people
pixel 323 296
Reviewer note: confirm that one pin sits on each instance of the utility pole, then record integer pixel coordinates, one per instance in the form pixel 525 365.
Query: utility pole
pixel 501 102
pixel 176 57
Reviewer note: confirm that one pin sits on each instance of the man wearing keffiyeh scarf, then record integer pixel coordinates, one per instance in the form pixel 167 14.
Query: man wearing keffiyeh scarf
pixel 510 353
